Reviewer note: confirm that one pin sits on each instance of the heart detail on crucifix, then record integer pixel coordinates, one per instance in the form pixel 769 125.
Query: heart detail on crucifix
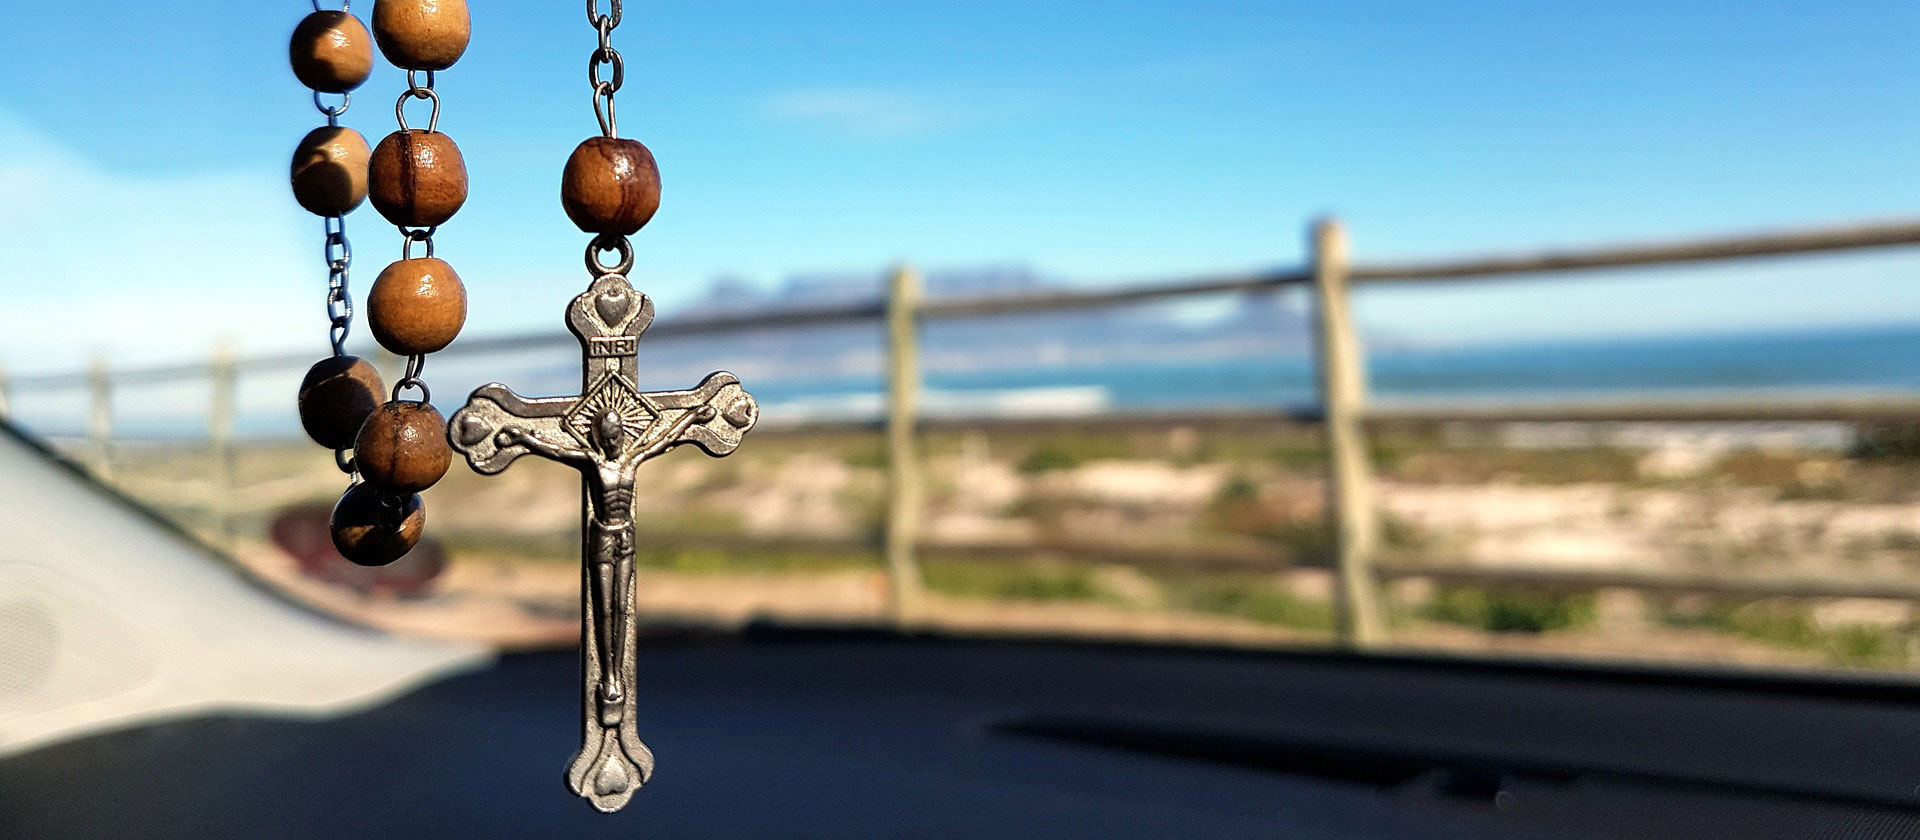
pixel 612 305
pixel 471 430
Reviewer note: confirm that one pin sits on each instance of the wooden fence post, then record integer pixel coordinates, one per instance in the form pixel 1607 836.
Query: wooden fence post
pixel 100 417
pixel 223 374
pixel 1351 510
pixel 903 457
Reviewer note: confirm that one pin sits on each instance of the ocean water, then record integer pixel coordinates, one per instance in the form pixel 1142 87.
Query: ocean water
pixel 1876 359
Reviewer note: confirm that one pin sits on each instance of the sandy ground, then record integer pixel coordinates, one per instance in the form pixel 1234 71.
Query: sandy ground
pixel 516 605
pixel 519 605
pixel 1701 522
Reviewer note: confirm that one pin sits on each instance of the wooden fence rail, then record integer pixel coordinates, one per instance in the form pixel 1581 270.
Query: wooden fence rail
pixel 1344 408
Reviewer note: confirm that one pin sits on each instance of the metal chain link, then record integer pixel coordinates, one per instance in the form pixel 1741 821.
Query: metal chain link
pixel 415 90
pixel 411 379
pixel 411 235
pixel 612 17
pixel 393 509
pixel 605 86
pixel 333 112
pixel 339 257
pixel 609 242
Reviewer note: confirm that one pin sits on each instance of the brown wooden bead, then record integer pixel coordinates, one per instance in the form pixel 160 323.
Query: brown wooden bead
pixel 422 34
pixel 610 186
pixel 416 306
pixel 336 396
pixel 331 52
pixel 374 526
pixel 403 446
pixel 417 178
pixel 330 170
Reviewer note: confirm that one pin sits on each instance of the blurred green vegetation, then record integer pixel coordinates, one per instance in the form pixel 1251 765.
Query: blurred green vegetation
pixel 1251 598
pixel 1792 625
pixel 1065 453
pixel 1238 508
pixel 1510 610
pixel 1013 582
pixel 1888 441
pixel 721 561
pixel 1440 465
pixel 1048 459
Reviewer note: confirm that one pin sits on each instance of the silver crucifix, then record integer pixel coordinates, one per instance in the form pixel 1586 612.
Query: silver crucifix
pixel 606 433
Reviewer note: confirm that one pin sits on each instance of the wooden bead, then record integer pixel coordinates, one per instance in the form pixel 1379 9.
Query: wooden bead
pixel 374 526
pixel 331 52
pixel 336 396
pixel 416 306
pixel 610 186
pixel 403 447
pixel 422 34
pixel 417 178
pixel 330 170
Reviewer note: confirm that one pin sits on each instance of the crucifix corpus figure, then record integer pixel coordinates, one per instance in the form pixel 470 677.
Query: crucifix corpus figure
pixel 606 433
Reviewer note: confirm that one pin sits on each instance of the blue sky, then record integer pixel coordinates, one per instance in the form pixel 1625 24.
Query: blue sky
pixel 143 151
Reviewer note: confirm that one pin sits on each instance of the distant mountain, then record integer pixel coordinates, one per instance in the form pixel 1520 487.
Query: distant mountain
pixel 728 294
pixel 1254 324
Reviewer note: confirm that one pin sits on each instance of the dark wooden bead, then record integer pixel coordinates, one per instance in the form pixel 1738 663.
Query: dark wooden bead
pixel 610 186
pixel 330 170
pixel 374 526
pixel 336 396
pixel 417 178
pixel 331 52
pixel 416 306
pixel 403 447
pixel 422 34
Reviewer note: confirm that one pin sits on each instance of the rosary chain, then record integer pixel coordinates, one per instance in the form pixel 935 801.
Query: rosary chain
pixel 408 236
pixel 611 19
pixel 339 257
pixel 333 112
pixel 604 86
pixel 411 379
pixel 416 90
pixel 337 253
pixel 609 242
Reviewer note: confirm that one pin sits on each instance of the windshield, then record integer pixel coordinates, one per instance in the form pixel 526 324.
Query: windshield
pixel 1524 396
pixel 1044 419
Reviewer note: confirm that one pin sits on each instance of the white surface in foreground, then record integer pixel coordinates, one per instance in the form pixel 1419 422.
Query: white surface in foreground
pixel 109 620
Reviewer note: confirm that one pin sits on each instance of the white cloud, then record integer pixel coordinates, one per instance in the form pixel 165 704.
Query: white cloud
pixel 853 112
pixel 147 268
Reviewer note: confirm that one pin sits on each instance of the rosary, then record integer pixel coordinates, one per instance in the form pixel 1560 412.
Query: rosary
pixel 392 448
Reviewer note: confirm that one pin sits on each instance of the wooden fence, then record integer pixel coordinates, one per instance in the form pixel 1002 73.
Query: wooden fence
pixel 1344 410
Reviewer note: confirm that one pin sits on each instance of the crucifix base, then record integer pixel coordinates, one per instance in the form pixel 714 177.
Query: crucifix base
pixel 612 763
